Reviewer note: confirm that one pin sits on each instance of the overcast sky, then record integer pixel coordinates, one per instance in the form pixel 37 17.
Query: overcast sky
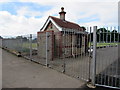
pixel 20 17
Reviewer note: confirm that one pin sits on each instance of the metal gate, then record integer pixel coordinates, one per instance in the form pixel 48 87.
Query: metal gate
pixel 105 68
pixel 76 57
pixel 66 51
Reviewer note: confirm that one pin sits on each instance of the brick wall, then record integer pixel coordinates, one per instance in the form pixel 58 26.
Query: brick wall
pixel 41 44
pixel 44 39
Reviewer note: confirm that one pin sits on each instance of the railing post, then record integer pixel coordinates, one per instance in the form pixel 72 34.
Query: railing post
pixel 30 46
pixel 118 34
pixel 1 40
pixel 93 63
pixel 21 46
pixel 64 43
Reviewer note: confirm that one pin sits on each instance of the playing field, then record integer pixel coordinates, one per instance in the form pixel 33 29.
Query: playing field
pixel 34 45
pixel 104 44
pixel 27 45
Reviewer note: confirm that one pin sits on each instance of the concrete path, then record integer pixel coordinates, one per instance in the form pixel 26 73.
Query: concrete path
pixel 21 73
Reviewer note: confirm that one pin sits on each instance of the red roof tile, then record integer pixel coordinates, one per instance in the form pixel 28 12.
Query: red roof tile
pixel 65 24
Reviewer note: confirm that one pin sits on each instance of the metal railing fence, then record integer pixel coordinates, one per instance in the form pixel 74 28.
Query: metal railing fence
pixel 90 55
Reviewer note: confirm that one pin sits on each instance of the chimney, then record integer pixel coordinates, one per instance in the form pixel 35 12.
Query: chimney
pixel 62 14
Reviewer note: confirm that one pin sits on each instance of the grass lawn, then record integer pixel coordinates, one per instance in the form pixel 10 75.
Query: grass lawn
pixel 27 45
pixel 104 44
pixel 34 45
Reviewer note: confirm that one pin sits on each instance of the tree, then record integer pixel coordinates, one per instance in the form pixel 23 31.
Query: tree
pixel 104 35
pixel 83 28
pixel 114 35
pixel 34 40
pixel 19 37
pixel 1 37
pixel 22 38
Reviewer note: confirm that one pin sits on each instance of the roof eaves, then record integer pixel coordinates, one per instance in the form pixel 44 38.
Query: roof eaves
pixel 47 21
pixel 44 24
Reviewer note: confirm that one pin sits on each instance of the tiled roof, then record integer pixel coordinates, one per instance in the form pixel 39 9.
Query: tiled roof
pixel 65 24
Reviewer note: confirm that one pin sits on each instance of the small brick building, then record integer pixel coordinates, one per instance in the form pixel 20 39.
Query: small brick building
pixel 61 38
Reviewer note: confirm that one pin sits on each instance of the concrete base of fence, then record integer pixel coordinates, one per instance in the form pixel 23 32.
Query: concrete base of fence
pixel 91 86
